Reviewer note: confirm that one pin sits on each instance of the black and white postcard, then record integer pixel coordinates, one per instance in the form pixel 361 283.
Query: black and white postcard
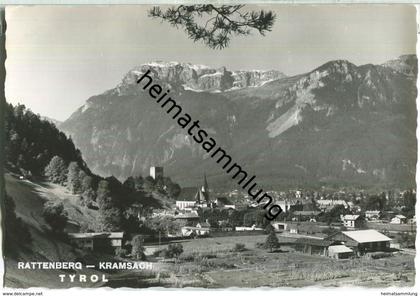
pixel 210 145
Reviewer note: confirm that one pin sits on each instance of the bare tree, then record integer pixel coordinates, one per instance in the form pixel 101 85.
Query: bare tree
pixel 215 25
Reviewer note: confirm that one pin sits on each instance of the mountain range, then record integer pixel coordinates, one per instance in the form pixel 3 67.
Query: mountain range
pixel 339 124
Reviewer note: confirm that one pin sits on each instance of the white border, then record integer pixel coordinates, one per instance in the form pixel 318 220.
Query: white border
pixel 342 291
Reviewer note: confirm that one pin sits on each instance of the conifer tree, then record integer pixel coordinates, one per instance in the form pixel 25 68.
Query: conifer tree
pixel 272 242
pixel 137 247
pixel 86 181
pixel 110 216
pixel 73 181
pixel 56 170
pixel 104 195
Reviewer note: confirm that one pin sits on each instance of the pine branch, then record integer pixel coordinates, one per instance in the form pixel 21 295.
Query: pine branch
pixel 223 22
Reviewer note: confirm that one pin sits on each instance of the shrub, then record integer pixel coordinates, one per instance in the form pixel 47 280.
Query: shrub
pixel 55 216
pixel 159 252
pixel 260 245
pixel 379 255
pixel 174 250
pixel 120 252
pixel 187 257
pixel 239 247
pixel 137 247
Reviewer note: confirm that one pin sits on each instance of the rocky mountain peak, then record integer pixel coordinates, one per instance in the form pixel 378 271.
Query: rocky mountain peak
pixel 342 67
pixel 298 128
pixel 200 78
pixel 405 64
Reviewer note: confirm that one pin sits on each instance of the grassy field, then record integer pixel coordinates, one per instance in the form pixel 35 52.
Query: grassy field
pixel 223 244
pixel 29 198
pixel 210 262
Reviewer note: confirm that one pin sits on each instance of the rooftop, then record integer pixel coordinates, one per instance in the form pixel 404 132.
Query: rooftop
pixel 366 236
pixel 313 242
pixel 306 213
pixel 331 202
pixel 195 228
pixel 187 194
pixel 340 249
pixel 203 225
pixel 351 217
pixel 187 216
pixel 113 235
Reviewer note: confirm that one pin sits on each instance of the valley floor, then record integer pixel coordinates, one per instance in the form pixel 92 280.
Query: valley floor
pixel 210 263
pixel 206 262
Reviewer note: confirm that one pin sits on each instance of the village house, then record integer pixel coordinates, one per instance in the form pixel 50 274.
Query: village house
pixel 330 203
pixel 285 204
pixel 224 225
pixel 203 224
pixel 98 241
pixel 372 215
pixel 235 193
pixel 339 252
pixel 202 229
pixel 187 219
pixel 323 247
pixel 362 241
pixel 395 245
pixel 160 213
pixel 280 226
pixel 353 221
pixel 412 220
pixel 185 204
pixel 313 246
pixel 293 229
pixel 388 215
pixel 306 215
pixel 224 202
pixel 399 219
pixel 245 228
pixel 186 199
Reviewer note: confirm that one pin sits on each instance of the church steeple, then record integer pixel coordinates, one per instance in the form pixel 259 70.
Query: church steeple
pixel 205 190
pixel 199 196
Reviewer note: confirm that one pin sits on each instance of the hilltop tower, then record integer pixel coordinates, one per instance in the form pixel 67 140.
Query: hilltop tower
pixel 156 172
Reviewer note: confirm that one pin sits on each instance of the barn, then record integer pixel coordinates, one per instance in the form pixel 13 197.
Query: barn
pixel 98 241
pixel 362 241
pixel 313 246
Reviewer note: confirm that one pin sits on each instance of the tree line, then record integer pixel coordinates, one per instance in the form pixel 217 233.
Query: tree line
pixel 35 148
pixel 31 142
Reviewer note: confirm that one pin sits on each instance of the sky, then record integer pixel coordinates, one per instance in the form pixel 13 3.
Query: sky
pixel 59 56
